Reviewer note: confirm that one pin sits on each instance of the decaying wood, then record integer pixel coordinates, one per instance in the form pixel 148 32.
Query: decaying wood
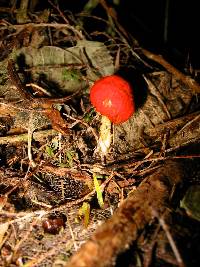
pixel 191 83
pixel 183 130
pixel 116 235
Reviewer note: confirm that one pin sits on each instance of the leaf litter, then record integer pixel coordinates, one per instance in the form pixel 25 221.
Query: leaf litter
pixel 60 204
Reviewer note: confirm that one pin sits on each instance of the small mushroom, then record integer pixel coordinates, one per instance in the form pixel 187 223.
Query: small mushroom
pixel 112 98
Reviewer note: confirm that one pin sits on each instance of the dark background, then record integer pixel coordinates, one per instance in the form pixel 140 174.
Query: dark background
pixel 169 27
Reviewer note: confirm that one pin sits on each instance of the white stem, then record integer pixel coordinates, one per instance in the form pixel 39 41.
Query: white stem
pixel 105 136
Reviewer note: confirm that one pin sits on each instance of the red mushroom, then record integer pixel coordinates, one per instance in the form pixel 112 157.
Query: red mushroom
pixel 112 97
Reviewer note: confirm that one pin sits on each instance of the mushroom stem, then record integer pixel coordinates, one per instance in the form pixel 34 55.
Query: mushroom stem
pixel 105 137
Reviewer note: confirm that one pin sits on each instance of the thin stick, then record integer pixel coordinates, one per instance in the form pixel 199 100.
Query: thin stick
pixel 170 239
pixel 38 136
pixel 30 136
pixel 52 25
pixel 72 234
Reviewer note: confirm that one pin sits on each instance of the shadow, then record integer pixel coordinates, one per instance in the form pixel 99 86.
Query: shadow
pixel 50 85
pixel 21 62
pixel 137 83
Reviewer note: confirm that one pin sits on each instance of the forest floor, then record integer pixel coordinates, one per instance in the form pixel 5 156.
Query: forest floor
pixel 63 203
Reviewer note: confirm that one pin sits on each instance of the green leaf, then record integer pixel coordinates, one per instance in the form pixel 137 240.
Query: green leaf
pixel 70 75
pixel 49 151
pixel 98 190
pixel 69 155
pixel 190 202
pixel 84 212
pixel 89 116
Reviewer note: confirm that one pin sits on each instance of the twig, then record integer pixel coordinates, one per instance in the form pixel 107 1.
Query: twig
pixel 85 124
pixel 172 125
pixel 124 36
pixel 27 234
pixel 170 239
pixel 38 25
pixel 72 234
pixel 30 136
pixel 27 216
pixel 38 136
pixel 157 94
pixel 47 254
pixel 59 11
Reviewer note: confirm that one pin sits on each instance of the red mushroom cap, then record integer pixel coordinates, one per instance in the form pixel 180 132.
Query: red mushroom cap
pixel 112 97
